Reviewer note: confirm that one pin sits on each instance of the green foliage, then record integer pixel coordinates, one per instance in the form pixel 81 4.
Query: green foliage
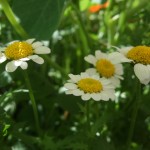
pixel 72 32
pixel 39 18
pixel 5 123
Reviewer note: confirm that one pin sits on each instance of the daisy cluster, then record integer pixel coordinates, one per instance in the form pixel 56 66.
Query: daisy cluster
pixel 99 82
pixel 18 53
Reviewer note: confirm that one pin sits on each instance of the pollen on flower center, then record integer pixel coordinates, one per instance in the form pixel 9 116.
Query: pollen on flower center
pixel 18 50
pixel 89 85
pixel 140 54
pixel 105 68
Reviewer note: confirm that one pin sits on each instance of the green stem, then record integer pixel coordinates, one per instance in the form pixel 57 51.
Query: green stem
pixel 134 115
pixel 88 129
pixel 13 20
pixel 82 30
pixel 88 115
pixel 32 98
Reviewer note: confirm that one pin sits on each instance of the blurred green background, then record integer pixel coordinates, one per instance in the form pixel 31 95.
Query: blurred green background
pixel 72 29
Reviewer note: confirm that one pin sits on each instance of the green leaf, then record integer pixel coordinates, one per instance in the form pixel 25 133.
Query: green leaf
pixel 39 18
pixel 5 122
pixel 6 127
pixel 84 4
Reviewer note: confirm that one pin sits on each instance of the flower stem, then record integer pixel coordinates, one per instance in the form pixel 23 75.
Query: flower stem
pixel 88 115
pixel 11 17
pixel 134 115
pixel 32 98
pixel 88 123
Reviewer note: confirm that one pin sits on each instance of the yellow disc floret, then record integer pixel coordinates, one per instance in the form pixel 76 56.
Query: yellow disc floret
pixel 18 50
pixel 105 68
pixel 140 54
pixel 89 85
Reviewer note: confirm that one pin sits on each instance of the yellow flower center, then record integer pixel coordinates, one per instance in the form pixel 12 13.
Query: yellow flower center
pixel 105 68
pixel 18 50
pixel 89 85
pixel 140 54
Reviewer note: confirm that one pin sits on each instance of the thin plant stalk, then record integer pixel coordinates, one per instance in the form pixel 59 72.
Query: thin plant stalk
pixel 88 115
pixel 88 124
pixel 134 115
pixel 33 102
pixel 11 17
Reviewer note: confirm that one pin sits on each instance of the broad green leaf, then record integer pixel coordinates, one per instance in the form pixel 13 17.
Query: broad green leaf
pixel 39 18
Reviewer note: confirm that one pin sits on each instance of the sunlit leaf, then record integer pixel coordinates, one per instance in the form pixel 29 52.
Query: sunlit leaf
pixel 39 18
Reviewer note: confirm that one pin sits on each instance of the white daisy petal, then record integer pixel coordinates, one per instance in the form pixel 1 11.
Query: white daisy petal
pixel 24 65
pixel 111 94
pixel 91 59
pixel 77 92
pixel 2 57
pixel 96 97
pixel 17 62
pixel 99 54
pixel 142 72
pixel 30 41
pixel 118 76
pixel 104 96
pixel 10 66
pixel 105 81
pixel 115 81
pixel 95 76
pixel 25 59
pixel 91 71
pixel 125 50
pixel 119 69
pixel 33 57
pixel 38 60
pixel 117 57
pixel 68 92
pixel 74 78
pixel 37 44
pixel 148 66
pixel 42 50
pixel 2 49
pixel 70 86
pixel 109 87
pixel 84 75
pixel 86 97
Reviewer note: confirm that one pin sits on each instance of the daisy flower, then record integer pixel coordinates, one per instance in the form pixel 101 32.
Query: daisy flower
pixel 140 56
pixel 107 65
pixel 90 86
pixel 18 53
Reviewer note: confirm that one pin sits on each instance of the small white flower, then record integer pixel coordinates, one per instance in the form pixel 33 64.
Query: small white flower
pixel 90 87
pixel 107 65
pixel 140 56
pixel 18 53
